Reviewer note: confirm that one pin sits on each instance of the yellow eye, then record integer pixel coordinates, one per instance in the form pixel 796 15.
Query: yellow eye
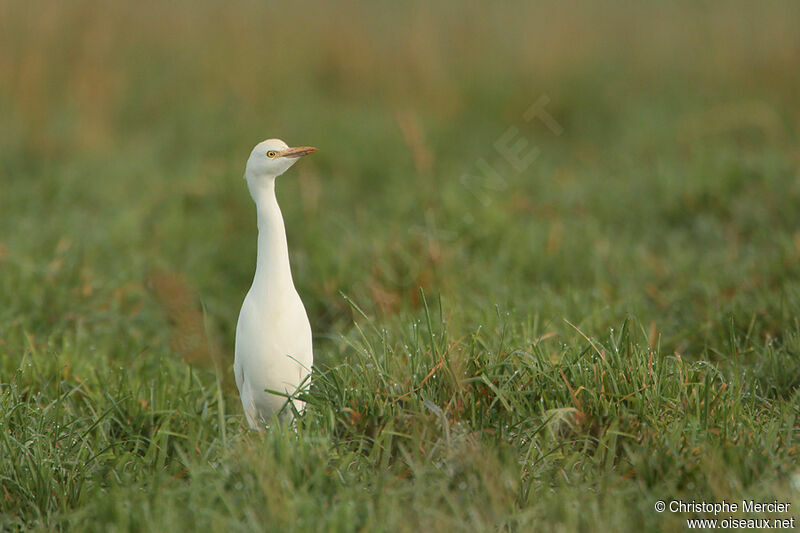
pixel 272 153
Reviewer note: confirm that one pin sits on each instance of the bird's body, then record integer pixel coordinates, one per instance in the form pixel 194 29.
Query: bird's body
pixel 273 334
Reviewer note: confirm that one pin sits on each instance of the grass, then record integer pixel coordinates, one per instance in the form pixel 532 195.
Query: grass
pixel 554 344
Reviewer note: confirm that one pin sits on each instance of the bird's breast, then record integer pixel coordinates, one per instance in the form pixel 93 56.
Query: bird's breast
pixel 270 330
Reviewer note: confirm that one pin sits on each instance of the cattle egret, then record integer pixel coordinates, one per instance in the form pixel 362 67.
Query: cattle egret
pixel 273 335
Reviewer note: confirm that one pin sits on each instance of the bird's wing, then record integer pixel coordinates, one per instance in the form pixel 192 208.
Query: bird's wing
pixel 238 374
pixel 249 405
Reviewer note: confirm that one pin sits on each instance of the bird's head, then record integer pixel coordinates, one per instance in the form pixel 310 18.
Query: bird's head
pixel 271 158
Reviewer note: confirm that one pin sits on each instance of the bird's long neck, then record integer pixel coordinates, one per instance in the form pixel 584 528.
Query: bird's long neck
pixel 273 276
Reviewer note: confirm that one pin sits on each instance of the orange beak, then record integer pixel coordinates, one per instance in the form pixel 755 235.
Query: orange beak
pixel 297 152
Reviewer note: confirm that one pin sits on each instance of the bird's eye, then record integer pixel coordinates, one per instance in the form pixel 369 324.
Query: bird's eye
pixel 272 153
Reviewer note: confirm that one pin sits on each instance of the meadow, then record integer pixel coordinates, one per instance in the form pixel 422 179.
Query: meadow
pixel 550 253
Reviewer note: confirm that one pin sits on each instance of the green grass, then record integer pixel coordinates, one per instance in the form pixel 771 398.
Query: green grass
pixel 554 347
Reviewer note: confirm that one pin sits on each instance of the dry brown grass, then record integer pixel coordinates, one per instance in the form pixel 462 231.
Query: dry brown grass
pixel 190 335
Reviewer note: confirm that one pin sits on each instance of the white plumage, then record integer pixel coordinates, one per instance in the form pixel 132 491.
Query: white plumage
pixel 273 335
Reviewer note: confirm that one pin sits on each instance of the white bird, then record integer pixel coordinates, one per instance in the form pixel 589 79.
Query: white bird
pixel 273 335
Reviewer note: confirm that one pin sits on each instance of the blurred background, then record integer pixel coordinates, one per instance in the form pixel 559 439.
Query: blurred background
pixel 670 192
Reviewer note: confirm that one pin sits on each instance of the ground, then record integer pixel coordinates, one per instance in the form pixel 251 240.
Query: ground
pixel 550 254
